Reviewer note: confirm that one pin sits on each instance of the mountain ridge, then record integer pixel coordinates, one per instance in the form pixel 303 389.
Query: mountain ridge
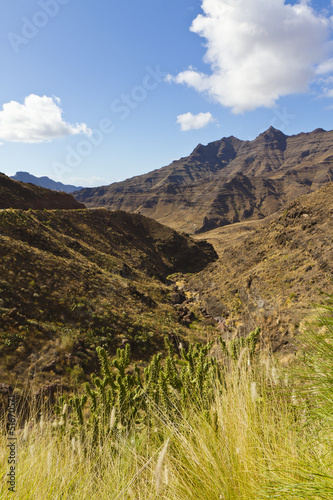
pixel 45 182
pixel 226 181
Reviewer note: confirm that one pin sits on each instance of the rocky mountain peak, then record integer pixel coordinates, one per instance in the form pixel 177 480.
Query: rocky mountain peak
pixel 273 137
pixel 226 181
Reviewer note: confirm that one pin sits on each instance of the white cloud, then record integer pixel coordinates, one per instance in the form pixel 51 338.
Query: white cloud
pixel 86 181
pixel 258 50
pixel 39 119
pixel 188 121
pixel 325 67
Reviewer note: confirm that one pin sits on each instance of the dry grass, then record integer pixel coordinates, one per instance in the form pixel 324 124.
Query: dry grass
pixel 236 450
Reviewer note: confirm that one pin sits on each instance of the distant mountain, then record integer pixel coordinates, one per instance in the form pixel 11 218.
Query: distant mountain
pixel 45 182
pixel 227 181
pixel 15 194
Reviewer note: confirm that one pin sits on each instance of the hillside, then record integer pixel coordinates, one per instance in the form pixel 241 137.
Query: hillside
pixel 270 272
pixel 225 182
pixel 45 182
pixel 72 280
pixel 15 194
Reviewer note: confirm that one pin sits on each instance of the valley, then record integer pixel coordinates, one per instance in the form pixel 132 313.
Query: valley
pixel 120 335
pixel 73 280
pixel 270 272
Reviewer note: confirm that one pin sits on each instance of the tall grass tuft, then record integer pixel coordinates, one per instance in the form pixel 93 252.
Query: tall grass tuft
pixel 311 476
pixel 189 427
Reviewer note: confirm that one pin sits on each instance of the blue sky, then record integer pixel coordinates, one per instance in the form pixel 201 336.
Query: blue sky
pixel 95 92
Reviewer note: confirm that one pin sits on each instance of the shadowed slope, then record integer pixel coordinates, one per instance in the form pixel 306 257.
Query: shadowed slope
pixel 75 279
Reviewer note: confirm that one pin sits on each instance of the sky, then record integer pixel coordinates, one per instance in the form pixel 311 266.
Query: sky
pixel 94 92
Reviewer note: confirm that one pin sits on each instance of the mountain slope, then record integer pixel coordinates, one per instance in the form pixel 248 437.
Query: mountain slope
pixel 45 182
pixel 227 181
pixel 15 194
pixel 270 272
pixel 75 279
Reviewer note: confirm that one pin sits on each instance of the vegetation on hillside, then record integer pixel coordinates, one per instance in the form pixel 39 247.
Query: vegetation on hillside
pixel 73 280
pixel 270 272
pixel 145 400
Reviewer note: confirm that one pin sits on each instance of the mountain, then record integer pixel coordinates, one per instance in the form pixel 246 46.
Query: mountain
pixel 45 182
pixel 227 181
pixel 72 280
pixel 270 272
pixel 15 194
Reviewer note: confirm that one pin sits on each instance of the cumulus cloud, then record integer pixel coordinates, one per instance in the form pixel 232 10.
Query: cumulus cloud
pixel 258 51
pixel 188 121
pixel 39 119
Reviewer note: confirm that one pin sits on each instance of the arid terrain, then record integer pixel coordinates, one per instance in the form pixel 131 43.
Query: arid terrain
pixel 225 182
pixel 15 194
pixel 270 272
pixel 72 280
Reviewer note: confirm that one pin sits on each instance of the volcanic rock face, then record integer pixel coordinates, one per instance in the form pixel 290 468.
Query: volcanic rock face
pixel 45 182
pixel 15 194
pixel 227 181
